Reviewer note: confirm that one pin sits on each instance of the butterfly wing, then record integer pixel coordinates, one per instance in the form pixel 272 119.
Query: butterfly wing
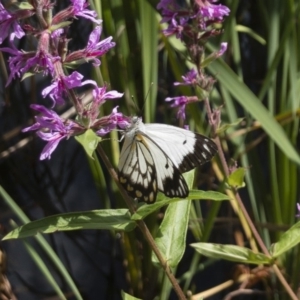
pixel 185 148
pixel 144 168
pixel 169 178
pixel 136 169
pixel 153 157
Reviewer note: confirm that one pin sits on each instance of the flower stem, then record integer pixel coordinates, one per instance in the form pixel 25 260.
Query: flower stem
pixel 142 226
pixel 255 233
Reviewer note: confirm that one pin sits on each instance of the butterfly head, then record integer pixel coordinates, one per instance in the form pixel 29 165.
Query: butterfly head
pixel 134 125
pixel 135 121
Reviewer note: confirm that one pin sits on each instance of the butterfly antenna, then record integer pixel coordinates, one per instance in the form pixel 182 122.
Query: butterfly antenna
pixel 148 92
pixel 135 104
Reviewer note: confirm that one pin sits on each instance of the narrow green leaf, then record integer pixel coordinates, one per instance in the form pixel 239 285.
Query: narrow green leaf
pixel 245 97
pixel 232 253
pixel 236 178
pixel 44 269
pixel 252 33
pixel 171 236
pixel 111 219
pixel 43 244
pixel 126 296
pixel 146 209
pixel 288 240
pixel 89 140
pixel 149 44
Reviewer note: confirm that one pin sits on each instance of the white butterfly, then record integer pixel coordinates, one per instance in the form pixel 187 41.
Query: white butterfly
pixel 154 156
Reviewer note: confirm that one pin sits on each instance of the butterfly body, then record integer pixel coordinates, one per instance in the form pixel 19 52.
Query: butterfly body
pixel 154 156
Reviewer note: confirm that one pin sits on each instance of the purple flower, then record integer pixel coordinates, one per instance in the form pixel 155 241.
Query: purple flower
pixel 222 49
pixel 193 22
pixel 51 128
pixel 212 11
pixel 100 96
pixel 15 62
pixel 80 11
pixel 20 62
pixel 9 24
pixel 94 48
pixel 111 122
pixel 176 27
pixel 59 88
pixel 216 54
pixel 42 61
pixel 298 210
pixel 189 79
pixel 179 102
pixel 169 9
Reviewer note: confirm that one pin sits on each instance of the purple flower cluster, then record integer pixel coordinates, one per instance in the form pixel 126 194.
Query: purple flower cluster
pixel 191 22
pixel 52 58
pixel 52 128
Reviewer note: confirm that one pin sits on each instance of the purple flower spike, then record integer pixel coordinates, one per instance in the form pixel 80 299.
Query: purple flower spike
pixel 51 128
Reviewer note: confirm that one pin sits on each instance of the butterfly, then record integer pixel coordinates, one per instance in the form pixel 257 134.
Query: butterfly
pixel 154 156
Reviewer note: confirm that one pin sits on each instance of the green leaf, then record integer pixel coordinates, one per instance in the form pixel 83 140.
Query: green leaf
pixel 126 296
pixel 232 253
pixel 171 236
pixel 146 209
pixel 288 240
pixel 89 140
pixel 111 219
pixel 236 178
